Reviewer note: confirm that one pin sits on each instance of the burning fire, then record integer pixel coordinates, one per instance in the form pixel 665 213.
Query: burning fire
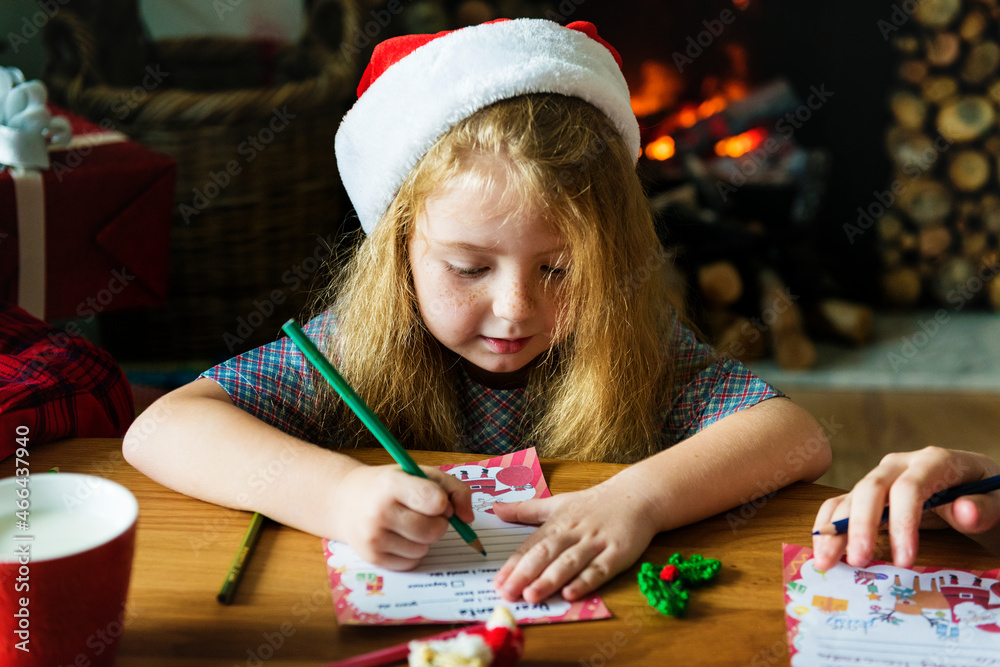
pixel 741 143
pixel 660 149
pixel 718 94
pixel 658 90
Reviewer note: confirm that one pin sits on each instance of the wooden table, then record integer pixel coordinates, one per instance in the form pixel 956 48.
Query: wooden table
pixel 283 613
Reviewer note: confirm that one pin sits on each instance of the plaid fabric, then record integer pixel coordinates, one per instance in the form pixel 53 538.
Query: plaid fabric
pixel 56 385
pixel 273 383
pixel 496 421
pixel 707 391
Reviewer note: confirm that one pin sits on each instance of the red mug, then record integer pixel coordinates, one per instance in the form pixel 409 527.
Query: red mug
pixel 66 545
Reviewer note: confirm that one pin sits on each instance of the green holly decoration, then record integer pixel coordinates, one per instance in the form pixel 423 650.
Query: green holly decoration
pixel 666 586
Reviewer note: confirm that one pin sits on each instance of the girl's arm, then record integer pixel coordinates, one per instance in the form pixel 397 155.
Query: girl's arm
pixel 905 480
pixel 196 441
pixel 589 536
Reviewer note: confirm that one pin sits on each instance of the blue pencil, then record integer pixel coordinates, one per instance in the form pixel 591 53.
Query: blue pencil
pixel 940 498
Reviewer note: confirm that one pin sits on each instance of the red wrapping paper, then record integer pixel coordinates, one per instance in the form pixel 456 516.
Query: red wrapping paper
pixel 108 211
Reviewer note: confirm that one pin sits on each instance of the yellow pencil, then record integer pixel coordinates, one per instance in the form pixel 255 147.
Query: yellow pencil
pixel 225 595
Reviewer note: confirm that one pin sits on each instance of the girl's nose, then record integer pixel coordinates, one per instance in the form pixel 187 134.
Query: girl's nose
pixel 514 301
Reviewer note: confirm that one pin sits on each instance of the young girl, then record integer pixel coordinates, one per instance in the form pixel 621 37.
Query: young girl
pixel 905 480
pixel 510 292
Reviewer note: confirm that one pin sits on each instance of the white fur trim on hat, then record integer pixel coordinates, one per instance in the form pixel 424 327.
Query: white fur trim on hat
pixel 417 99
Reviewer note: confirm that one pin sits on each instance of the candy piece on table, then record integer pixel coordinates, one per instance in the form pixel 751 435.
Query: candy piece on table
pixel 464 650
pixel 499 644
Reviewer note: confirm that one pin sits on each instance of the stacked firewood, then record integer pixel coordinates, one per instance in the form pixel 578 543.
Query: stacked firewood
pixel 754 292
pixel 781 324
pixel 939 219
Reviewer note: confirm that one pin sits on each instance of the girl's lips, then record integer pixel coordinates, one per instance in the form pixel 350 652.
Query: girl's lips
pixel 506 345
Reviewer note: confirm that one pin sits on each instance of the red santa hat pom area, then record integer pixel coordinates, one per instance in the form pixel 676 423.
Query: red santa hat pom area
pixel 416 87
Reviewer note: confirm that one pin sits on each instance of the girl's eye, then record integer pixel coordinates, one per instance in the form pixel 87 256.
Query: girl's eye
pixel 466 272
pixel 554 271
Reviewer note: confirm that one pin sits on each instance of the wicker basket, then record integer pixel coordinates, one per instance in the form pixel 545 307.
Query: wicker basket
pixel 251 126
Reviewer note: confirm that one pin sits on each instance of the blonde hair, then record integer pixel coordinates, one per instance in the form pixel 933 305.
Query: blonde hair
pixel 597 394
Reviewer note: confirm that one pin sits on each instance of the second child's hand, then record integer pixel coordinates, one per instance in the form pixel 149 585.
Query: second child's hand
pixel 904 480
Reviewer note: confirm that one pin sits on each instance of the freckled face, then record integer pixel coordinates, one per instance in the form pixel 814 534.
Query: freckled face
pixel 480 279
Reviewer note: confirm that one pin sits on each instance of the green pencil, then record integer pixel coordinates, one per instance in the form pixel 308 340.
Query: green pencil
pixel 225 595
pixel 368 418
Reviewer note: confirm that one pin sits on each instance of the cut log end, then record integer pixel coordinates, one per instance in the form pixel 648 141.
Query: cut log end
pixel 969 170
pixel 791 345
pixel 926 202
pixel 913 71
pixel 901 287
pixel 981 62
pixel 849 321
pixel 720 283
pixel 794 352
pixel 934 241
pixel 890 227
pixel 735 336
pixel 966 118
pixel 991 214
pixel 937 13
pixel 937 89
pixel 909 110
pixel 993 293
pixel 973 24
pixel 952 278
pixel 942 49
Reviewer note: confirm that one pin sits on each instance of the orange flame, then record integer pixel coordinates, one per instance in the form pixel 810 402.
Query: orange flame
pixel 687 116
pixel 691 114
pixel 661 149
pixel 711 106
pixel 741 143
pixel 658 90
pixel 735 90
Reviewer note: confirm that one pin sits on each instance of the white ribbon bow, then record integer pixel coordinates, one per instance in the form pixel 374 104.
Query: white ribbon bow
pixel 27 128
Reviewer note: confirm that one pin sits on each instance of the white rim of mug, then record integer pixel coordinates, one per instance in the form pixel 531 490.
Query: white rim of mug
pixel 129 512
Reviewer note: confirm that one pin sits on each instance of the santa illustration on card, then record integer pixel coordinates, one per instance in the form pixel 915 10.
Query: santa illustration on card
pixel 488 485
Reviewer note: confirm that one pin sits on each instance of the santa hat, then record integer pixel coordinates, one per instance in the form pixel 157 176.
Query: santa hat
pixel 416 87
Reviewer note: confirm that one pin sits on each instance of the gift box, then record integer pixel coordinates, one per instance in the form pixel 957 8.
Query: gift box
pixel 100 215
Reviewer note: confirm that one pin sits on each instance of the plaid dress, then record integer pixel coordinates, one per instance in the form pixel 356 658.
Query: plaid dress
pixel 274 381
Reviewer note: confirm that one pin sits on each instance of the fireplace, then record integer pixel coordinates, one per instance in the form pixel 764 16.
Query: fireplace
pixel 725 48
pixel 846 153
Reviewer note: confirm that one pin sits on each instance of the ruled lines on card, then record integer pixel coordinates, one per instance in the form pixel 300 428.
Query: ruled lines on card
pixel 499 543
pixel 451 552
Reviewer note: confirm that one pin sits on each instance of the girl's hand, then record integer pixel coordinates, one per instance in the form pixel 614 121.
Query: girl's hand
pixel 586 538
pixel 390 518
pixel 904 481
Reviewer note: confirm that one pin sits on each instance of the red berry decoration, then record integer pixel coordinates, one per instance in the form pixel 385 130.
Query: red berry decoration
pixel 667 591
